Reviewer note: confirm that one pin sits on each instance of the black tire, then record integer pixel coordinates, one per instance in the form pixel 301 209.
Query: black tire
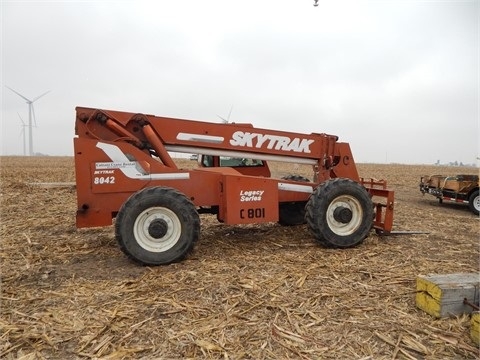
pixel 296 178
pixel 474 202
pixel 340 213
pixel 290 214
pixel 157 226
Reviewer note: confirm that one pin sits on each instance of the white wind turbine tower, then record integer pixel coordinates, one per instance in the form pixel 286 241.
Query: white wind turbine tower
pixel 31 115
pixel 22 133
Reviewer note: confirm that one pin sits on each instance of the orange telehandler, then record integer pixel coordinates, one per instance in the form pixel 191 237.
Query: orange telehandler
pixel 125 176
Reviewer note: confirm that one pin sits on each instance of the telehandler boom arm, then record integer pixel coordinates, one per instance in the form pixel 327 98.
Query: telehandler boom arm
pixel 161 134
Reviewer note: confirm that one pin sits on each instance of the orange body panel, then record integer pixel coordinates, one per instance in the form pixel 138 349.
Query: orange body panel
pixel 119 153
pixel 249 199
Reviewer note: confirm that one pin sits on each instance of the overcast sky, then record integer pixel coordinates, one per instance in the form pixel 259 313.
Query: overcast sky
pixel 397 79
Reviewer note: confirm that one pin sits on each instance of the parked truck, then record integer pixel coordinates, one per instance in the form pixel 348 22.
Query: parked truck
pixel 458 188
pixel 125 176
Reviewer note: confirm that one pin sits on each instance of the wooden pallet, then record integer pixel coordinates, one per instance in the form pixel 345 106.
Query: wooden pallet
pixel 445 295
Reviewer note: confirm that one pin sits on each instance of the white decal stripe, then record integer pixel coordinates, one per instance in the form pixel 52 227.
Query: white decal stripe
pixel 170 176
pixel 241 154
pixel 200 137
pixel 294 187
pixel 129 169
pixel 113 152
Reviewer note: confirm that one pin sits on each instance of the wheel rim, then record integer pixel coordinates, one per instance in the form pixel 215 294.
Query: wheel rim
pixel 476 202
pixel 344 225
pixel 146 230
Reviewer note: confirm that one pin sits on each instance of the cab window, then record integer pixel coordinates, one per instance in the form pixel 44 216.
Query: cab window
pixel 239 162
pixel 227 161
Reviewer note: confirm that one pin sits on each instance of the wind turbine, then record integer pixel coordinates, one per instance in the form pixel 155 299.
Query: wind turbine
pixel 225 121
pixel 31 114
pixel 22 133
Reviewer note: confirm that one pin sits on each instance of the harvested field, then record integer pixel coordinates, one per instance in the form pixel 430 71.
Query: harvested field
pixel 245 292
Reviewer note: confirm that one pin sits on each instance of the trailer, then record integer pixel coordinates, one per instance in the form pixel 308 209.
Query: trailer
pixel 458 188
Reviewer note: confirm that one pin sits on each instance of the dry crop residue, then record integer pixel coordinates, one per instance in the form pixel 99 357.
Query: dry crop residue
pixel 246 292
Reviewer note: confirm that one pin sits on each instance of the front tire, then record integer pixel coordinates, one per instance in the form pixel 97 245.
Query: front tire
pixel 474 202
pixel 339 213
pixel 157 226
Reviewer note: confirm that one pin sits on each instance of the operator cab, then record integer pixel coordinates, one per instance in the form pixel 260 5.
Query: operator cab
pixel 253 167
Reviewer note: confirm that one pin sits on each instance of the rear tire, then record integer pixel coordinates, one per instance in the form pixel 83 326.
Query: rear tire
pixel 290 214
pixel 296 178
pixel 339 213
pixel 157 226
pixel 474 202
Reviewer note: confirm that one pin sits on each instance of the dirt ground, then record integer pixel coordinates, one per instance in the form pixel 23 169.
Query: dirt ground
pixel 245 292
